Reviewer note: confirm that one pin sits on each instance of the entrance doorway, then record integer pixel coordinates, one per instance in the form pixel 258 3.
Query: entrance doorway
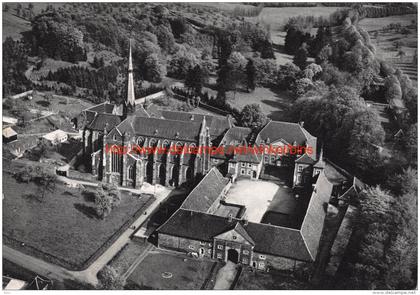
pixel 233 255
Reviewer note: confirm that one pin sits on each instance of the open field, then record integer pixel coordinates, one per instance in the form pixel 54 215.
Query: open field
pixel 273 103
pixel 13 26
pixel 187 273
pixel 61 228
pixel 277 17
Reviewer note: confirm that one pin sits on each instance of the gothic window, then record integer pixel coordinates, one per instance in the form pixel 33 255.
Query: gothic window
pixel 152 142
pixel 140 141
pixel 131 172
pixel 115 159
pixel 115 137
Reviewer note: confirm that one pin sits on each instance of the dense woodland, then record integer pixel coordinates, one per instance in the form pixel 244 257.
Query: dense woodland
pixel 329 94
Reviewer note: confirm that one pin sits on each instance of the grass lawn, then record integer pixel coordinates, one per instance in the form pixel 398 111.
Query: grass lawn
pixel 126 257
pixel 63 227
pixel 274 103
pixel 254 280
pixel 187 273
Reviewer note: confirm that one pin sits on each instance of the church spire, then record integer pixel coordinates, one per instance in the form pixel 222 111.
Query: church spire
pixel 130 102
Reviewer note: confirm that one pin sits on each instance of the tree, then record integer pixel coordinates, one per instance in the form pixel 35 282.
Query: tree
pixel 195 80
pixel 103 203
pixel 250 76
pixel 301 57
pixel 109 279
pixel 154 70
pixel 182 61
pixel 287 75
pixel 252 116
pixel 237 63
pixel 392 88
pixel 46 181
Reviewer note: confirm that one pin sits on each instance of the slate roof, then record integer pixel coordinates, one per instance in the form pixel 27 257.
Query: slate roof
pixel 217 124
pixel 236 135
pixel 289 132
pixel 305 159
pixel 249 157
pixel 313 222
pixel 103 108
pixel 100 121
pixel 202 197
pixel 161 128
pixel 269 239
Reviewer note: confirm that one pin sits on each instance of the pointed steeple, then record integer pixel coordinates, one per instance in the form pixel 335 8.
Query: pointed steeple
pixel 321 162
pixel 130 102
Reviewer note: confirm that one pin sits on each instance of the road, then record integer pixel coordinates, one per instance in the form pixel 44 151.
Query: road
pixel 88 275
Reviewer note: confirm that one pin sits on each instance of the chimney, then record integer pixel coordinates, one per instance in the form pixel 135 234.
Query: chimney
pixel 301 123
pixel 245 222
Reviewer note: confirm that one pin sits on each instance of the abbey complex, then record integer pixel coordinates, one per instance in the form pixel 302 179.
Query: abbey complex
pixel 207 223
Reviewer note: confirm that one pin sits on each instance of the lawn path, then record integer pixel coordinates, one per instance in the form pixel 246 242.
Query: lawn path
pixel 225 276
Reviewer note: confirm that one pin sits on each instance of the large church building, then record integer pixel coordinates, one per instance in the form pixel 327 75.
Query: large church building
pixel 108 128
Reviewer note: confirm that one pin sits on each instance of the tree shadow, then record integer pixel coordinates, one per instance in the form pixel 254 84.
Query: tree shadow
pixel 32 197
pixel 86 210
pixel 88 196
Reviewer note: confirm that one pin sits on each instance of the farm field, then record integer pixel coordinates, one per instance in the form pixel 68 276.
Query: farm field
pixel 385 41
pixel 187 273
pixel 61 228
pixel 13 26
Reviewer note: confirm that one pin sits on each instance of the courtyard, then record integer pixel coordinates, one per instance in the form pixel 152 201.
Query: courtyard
pixel 261 197
pixel 171 271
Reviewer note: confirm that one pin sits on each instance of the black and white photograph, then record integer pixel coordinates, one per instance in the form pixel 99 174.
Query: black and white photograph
pixel 210 146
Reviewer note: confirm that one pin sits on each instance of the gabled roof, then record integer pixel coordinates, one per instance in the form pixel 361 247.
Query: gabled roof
pixel 217 124
pixel 248 157
pixel 313 222
pixel 289 132
pixel 9 132
pixel 103 108
pixel 101 120
pixel 236 135
pixel 269 239
pixel 305 159
pixel 202 197
pixel 161 128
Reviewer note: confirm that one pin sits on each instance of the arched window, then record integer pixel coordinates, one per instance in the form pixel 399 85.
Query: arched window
pixel 132 172
pixel 152 142
pixel 115 159
pixel 140 141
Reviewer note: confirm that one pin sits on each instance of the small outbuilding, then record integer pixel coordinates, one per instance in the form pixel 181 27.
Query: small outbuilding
pixel 56 137
pixel 9 135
